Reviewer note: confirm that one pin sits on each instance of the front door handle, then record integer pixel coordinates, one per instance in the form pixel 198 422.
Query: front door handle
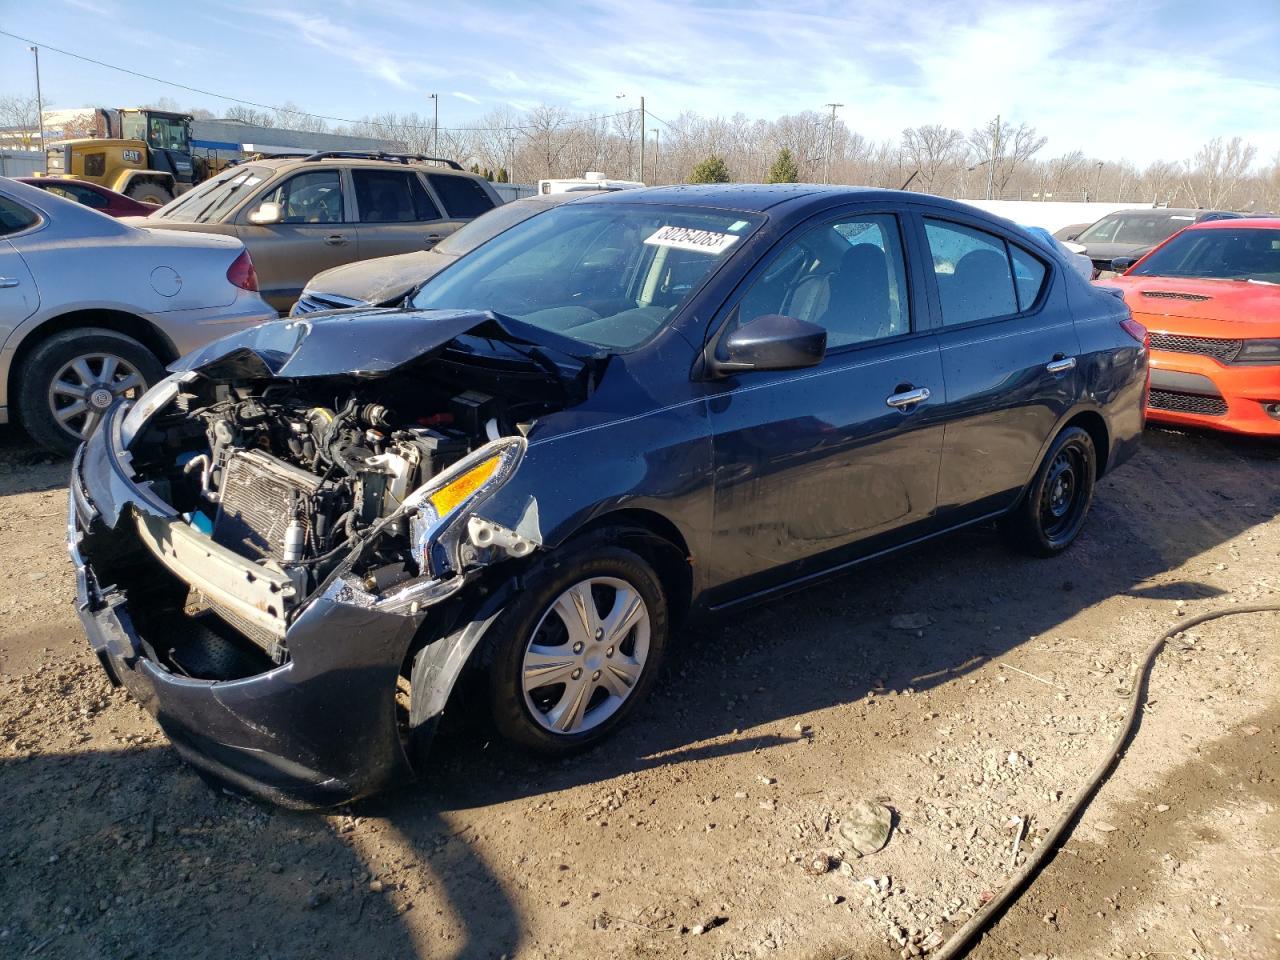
pixel 1061 364
pixel 433 238
pixel 335 240
pixel 7 282
pixel 908 398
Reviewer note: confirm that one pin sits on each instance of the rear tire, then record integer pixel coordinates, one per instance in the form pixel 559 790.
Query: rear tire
pixel 1052 511
pixel 149 193
pixel 67 382
pixel 532 704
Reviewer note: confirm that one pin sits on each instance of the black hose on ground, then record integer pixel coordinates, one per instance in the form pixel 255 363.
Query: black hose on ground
pixel 966 936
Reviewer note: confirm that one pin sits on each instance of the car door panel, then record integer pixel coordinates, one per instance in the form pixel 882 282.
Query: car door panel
pixel 1009 381
pixel 814 467
pixel 809 466
pixel 390 221
pixel 314 236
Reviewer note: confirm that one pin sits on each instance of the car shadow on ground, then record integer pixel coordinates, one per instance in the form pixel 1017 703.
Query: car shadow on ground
pixel 128 853
pixel 736 686
pixel 27 468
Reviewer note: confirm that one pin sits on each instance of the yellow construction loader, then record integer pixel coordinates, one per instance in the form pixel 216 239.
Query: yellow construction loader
pixel 144 154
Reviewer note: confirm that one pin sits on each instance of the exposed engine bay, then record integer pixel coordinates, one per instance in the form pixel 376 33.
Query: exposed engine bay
pixel 298 482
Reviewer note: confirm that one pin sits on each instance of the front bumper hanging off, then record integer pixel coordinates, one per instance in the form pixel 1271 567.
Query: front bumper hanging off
pixel 318 730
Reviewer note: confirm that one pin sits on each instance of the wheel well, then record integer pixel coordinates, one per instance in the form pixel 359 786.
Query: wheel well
pixel 127 323
pixel 1096 427
pixel 660 542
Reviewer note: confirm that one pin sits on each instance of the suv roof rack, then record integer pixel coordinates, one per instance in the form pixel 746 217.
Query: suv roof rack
pixel 405 158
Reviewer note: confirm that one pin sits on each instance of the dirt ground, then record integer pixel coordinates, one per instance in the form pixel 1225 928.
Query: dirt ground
pixel 688 834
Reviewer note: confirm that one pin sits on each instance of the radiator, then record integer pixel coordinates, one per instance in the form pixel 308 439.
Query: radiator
pixel 258 498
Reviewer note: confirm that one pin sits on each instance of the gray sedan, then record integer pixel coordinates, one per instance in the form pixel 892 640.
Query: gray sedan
pixel 92 309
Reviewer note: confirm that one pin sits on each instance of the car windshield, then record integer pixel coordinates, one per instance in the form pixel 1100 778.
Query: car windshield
pixel 607 274
pixel 1239 253
pixel 1140 229
pixel 208 202
pixel 487 226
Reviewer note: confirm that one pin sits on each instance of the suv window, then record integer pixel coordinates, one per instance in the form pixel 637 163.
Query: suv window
pixel 392 196
pixel 972 267
pixel 14 217
pixel 462 197
pixel 312 197
pixel 849 277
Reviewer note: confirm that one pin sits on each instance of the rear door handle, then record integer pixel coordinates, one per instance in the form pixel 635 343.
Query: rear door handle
pixel 335 240
pixel 908 398
pixel 1061 364
pixel 7 282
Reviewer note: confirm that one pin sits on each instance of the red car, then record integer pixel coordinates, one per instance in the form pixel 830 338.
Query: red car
pixel 1210 298
pixel 91 195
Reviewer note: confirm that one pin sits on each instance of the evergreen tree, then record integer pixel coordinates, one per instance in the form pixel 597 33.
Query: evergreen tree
pixel 711 170
pixel 502 175
pixel 784 169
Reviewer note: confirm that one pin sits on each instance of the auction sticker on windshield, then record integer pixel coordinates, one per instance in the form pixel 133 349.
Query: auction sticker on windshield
pixel 686 238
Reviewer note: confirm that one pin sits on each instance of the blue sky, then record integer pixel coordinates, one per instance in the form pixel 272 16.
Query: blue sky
pixel 1143 79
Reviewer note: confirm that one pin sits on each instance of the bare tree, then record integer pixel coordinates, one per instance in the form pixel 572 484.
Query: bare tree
pixel 935 150
pixel 20 116
pixel 289 116
pixel 1211 177
pixel 1004 148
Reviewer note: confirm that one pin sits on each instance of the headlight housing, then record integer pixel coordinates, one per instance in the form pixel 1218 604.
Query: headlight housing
pixel 1259 351
pixel 442 505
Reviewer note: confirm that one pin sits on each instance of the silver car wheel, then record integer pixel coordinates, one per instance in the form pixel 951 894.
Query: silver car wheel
pixel 86 386
pixel 586 655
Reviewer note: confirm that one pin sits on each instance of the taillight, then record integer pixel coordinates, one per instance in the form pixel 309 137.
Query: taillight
pixel 1136 330
pixel 242 274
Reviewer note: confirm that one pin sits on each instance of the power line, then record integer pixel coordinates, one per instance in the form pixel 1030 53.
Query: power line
pixel 302 113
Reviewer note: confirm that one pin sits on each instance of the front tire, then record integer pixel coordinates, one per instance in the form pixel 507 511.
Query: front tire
pixel 578 648
pixel 1051 513
pixel 67 383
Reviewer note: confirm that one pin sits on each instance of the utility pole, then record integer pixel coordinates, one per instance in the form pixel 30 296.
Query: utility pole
pixel 435 123
pixel 655 131
pixel 996 149
pixel 642 139
pixel 831 142
pixel 511 170
pixel 39 98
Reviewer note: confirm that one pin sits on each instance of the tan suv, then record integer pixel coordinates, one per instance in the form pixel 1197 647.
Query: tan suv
pixel 301 215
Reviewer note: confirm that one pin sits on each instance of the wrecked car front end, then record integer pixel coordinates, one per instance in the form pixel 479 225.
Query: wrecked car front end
pixel 263 541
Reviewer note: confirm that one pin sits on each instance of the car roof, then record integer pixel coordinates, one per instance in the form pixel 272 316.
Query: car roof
pixel 759 197
pixel 1239 223
pixel 1171 212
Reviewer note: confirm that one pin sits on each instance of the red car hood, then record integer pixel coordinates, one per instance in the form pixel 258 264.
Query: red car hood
pixel 1236 308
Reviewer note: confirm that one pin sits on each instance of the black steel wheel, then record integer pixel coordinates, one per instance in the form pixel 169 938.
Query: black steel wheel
pixel 1051 513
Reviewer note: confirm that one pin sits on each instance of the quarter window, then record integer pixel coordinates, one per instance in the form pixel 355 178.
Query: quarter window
pixel 14 217
pixel 390 196
pixel 1028 276
pixel 310 197
pixel 972 267
pixel 463 197
pixel 849 277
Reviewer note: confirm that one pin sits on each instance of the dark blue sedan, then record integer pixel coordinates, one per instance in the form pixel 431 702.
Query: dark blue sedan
pixel 633 409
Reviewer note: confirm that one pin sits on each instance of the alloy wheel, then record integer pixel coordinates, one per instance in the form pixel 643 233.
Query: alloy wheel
pixel 86 386
pixel 586 655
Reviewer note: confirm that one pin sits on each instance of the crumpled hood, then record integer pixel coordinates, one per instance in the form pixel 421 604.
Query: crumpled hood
pixel 358 343
pixel 381 279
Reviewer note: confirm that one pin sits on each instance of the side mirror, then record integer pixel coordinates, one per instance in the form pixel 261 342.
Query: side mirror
pixel 268 212
pixel 1121 264
pixel 770 342
pixel 1072 236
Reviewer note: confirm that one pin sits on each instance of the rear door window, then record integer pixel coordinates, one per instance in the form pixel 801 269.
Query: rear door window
pixel 392 196
pixel 975 281
pixel 462 197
